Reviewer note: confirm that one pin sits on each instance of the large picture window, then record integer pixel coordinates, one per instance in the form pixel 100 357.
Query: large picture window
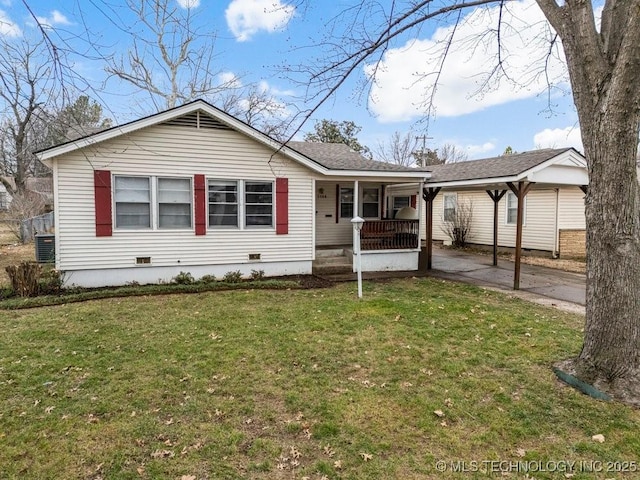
pixel 223 203
pixel 174 202
pixel 258 204
pixel 346 202
pixel 133 202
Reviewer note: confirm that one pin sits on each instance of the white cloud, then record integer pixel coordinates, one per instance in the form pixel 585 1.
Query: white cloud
pixel 245 18
pixel 230 80
pixel 405 75
pixel 56 18
pixel 477 150
pixel 7 27
pixel 189 3
pixel 558 138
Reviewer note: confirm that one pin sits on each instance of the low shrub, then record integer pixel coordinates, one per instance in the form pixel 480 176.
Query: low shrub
pixel 257 275
pixel 183 278
pixel 232 277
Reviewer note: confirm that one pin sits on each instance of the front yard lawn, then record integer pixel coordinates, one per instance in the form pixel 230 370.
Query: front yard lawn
pixel 302 383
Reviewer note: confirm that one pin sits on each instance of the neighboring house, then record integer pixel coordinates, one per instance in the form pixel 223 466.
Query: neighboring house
pixel 193 189
pixel 5 198
pixel 42 186
pixel 553 209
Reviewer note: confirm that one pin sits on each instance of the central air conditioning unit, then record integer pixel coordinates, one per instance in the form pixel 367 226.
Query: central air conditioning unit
pixel 45 248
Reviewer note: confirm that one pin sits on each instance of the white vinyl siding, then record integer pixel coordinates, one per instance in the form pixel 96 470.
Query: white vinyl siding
pixel 571 209
pixel 174 202
pixel 162 151
pixel 132 202
pixel 537 234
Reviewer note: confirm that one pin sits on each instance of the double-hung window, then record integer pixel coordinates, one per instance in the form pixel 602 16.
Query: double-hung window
pixel 512 209
pixel 223 203
pixel 399 203
pixel 370 202
pixel 133 202
pixel 346 202
pixel 450 201
pixel 258 204
pixel 174 202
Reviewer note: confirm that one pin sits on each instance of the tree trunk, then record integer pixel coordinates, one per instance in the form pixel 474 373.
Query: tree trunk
pixel 604 67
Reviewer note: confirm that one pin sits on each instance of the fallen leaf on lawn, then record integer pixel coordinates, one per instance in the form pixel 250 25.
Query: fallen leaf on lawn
pixel 281 466
pixel 444 423
pixel 330 452
pixel 188 477
pixel 49 409
pixel 438 413
pixel 448 402
pixel 294 452
pixel 295 463
pixel 307 433
pixel 366 456
pixel 598 438
pixel 140 471
pixel 521 452
pixel 569 475
pixel 92 418
pixel 398 318
pixel 337 464
pixel 214 336
pixel 163 454
pixel 169 422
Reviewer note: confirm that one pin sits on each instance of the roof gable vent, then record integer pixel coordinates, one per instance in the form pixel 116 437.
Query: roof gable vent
pixel 197 119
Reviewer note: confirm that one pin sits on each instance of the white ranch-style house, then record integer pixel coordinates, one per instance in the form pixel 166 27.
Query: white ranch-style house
pixel 193 189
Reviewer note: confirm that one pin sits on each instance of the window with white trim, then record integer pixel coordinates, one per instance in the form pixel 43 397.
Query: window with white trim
pixel 346 202
pixel 512 209
pixel 174 202
pixel 223 203
pixel 258 204
pixel 371 202
pixel 399 203
pixel 449 204
pixel 132 196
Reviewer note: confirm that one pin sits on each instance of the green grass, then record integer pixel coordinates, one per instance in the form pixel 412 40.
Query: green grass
pixel 286 384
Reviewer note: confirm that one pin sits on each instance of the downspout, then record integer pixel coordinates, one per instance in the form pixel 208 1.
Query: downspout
pixel 556 246
pixel 356 209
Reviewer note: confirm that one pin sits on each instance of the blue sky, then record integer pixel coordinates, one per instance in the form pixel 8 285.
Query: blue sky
pixel 254 38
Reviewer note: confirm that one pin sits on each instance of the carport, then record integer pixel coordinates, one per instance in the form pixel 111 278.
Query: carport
pixel 518 173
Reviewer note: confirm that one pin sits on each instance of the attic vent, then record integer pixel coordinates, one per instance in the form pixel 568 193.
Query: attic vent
pixel 197 120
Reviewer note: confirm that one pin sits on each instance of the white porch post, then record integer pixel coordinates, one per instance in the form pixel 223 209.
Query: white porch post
pixel 356 209
pixel 419 204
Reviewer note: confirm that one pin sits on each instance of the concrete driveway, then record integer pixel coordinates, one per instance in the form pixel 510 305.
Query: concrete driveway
pixel 478 270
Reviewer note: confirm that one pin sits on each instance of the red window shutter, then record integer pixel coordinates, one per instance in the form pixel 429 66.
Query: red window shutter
pixel 413 201
pixel 282 206
pixel 102 200
pixel 200 204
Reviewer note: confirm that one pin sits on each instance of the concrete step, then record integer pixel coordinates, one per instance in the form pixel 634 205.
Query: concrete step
pixel 331 269
pixel 330 252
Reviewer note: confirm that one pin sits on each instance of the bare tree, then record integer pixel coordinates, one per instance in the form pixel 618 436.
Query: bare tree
pixel 171 59
pixel 399 150
pixel 604 65
pixel 25 89
pixel 457 223
pixel 449 153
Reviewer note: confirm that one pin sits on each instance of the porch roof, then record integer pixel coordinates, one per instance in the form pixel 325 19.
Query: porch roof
pixel 557 166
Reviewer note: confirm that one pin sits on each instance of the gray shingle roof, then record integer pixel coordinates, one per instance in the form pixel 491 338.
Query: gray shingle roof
pixel 496 167
pixel 338 156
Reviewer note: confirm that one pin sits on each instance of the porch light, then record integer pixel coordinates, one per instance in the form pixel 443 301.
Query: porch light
pixel 357 223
